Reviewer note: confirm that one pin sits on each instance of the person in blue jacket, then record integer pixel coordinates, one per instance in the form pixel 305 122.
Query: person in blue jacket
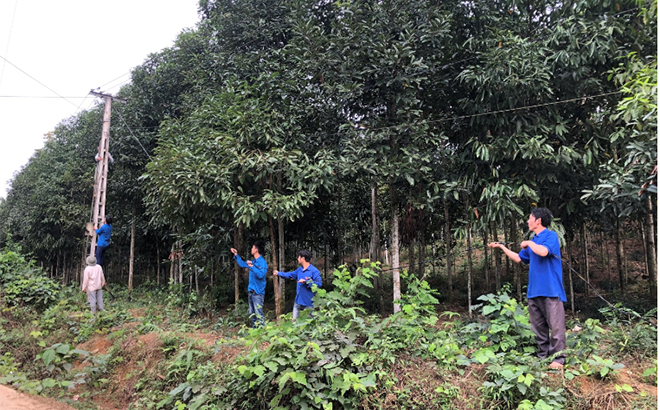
pixel 103 240
pixel 307 276
pixel 256 281
pixel 545 291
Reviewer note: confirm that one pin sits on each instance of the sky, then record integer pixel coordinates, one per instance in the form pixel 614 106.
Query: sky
pixel 64 49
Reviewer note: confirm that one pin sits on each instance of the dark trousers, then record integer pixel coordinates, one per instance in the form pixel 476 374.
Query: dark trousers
pixel 100 252
pixel 546 316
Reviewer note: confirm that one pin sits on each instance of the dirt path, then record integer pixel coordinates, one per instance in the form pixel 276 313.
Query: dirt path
pixel 10 399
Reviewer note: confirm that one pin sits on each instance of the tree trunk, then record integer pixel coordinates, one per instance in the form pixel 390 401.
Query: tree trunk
pixel 172 262
pixel 486 265
pixel 516 266
pixel 157 265
pixel 422 253
pixel 197 279
pixel 450 285
pixel 507 240
pixel 131 256
pixel 650 248
pixel 276 279
pixel 469 254
pixel 606 255
pixel 619 256
pixel 238 245
pixel 585 256
pixel 412 265
pixel 180 253
pixel 570 276
pixel 394 226
pixel 374 251
pixel 340 246
pixel 282 283
pixel 326 262
pixel 498 282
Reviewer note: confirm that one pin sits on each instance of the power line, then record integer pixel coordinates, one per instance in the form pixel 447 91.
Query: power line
pixel 462 117
pixel 11 29
pixel 42 84
pixel 111 81
pixel 131 131
pixel 40 97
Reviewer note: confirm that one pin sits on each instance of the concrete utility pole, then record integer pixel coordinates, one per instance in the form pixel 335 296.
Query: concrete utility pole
pixel 101 174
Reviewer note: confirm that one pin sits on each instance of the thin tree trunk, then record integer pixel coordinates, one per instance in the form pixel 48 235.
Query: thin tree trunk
pixel 570 276
pixel 642 231
pixel 585 256
pixel 131 256
pixel 486 264
pixel 394 226
pixel 619 256
pixel 469 254
pixel 276 279
pixel 180 253
pixel 340 246
pixel 450 285
pixel 172 262
pixel 326 262
pixel 238 244
pixel 375 240
pixel 282 283
pixel 498 282
pixel 157 265
pixel 507 240
pixel 516 266
pixel 606 255
pixel 197 279
pixel 650 248
pixel 412 269
pixel 422 253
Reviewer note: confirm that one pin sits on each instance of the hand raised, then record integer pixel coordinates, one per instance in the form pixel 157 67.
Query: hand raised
pixel 234 251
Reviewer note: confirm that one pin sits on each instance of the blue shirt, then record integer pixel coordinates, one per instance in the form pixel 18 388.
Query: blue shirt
pixel 104 235
pixel 545 273
pixel 304 293
pixel 257 277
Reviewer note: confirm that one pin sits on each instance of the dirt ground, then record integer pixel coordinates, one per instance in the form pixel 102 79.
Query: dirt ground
pixel 10 399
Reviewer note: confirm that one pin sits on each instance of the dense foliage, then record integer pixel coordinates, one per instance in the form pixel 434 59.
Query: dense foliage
pixel 355 128
pixel 146 352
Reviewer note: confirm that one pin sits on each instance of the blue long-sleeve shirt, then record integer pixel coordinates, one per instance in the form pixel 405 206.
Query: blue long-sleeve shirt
pixel 545 272
pixel 257 277
pixel 304 293
pixel 104 235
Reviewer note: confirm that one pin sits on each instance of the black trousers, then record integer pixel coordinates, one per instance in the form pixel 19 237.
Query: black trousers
pixel 546 316
pixel 100 253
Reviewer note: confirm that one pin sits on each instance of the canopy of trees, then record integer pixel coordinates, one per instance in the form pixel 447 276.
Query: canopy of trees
pixel 354 129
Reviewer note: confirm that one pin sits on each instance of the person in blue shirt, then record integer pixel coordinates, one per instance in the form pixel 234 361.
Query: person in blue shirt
pixel 103 240
pixel 545 291
pixel 306 277
pixel 256 281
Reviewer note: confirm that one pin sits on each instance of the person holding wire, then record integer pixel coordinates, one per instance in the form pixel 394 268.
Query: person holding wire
pixel 545 291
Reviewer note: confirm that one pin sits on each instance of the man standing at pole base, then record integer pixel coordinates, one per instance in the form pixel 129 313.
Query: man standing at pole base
pixel 545 291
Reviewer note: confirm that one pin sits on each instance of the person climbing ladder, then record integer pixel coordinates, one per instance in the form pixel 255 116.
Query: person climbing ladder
pixel 103 241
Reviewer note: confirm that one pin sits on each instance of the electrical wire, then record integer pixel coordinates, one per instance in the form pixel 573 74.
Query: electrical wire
pixel 131 131
pixel 11 29
pixel 40 83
